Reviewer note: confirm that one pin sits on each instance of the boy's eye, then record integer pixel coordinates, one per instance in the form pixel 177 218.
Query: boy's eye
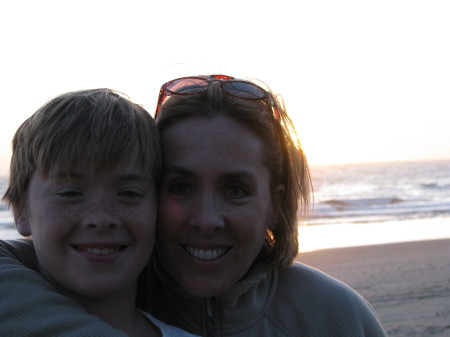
pixel 130 194
pixel 69 193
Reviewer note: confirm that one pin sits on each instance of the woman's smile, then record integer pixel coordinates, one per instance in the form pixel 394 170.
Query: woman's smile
pixel 206 254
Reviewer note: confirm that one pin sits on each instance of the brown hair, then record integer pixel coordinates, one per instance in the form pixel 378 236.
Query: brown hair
pixel 284 157
pixel 99 125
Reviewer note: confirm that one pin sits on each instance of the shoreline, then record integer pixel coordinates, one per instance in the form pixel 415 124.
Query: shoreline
pixel 407 283
pixel 372 233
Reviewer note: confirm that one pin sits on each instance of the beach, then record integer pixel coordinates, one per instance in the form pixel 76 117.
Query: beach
pixel 392 221
pixel 407 283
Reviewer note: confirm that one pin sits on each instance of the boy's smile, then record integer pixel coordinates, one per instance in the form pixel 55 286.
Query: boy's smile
pixel 93 231
pixel 100 251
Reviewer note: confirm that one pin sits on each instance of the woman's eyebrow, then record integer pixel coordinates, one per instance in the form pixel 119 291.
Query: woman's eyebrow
pixel 185 171
pixel 178 170
pixel 238 175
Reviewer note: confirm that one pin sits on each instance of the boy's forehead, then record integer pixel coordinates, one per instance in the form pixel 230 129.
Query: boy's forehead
pixel 129 163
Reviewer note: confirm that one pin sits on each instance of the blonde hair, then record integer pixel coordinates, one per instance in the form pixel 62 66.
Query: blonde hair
pixel 284 157
pixel 101 126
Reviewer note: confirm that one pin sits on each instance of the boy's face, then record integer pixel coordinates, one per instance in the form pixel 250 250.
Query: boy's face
pixel 93 232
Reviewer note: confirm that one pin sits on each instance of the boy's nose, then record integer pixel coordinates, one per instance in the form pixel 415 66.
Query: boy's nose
pixel 101 215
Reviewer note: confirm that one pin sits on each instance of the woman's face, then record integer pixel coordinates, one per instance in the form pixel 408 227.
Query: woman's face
pixel 214 204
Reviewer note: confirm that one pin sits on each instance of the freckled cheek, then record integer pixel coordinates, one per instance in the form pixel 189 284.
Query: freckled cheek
pixel 53 217
pixel 51 229
pixel 144 219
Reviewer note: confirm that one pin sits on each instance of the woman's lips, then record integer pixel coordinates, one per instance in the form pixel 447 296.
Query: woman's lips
pixel 206 254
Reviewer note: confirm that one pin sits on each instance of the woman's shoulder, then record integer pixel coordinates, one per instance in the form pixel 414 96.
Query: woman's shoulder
pixel 322 303
pixel 310 283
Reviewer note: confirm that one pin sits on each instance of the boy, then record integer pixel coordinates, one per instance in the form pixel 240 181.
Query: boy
pixel 82 185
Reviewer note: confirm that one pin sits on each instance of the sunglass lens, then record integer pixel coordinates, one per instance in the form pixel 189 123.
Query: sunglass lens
pixel 244 90
pixel 187 86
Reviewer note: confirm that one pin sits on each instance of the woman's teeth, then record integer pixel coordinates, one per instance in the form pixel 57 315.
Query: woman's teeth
pixel 206 254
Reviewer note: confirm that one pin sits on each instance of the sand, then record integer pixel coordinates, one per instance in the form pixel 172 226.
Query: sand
pixel 408 283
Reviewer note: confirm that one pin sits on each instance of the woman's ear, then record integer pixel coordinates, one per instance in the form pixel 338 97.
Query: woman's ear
pixel 22 225
pixel 277 199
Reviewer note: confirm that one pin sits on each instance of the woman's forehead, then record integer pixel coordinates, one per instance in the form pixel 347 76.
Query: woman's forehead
pixel 219 144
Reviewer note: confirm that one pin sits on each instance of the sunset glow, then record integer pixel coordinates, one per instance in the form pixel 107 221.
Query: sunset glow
pixel 362 81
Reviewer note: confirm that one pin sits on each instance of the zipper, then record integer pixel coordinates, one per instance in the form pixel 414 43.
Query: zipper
pixel 211 323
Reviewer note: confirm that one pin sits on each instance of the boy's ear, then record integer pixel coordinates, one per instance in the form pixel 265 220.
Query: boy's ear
pixel 22 224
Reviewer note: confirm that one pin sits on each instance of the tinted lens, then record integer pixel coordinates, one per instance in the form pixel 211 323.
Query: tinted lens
pixel 243 89
pixel 187 86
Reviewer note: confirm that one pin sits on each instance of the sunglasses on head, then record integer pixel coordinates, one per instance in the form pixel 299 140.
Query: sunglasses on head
pixel 195 85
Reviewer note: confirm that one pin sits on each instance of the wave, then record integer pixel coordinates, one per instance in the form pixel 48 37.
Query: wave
pixel 362 202
pixel 366 210
pixel 7 224
pixel 376 218
pixel 435 186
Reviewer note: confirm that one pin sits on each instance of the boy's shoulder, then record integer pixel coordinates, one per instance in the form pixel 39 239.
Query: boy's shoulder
pixel 21 250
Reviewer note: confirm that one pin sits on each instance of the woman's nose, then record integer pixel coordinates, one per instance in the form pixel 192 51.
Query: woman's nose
pixel 207 217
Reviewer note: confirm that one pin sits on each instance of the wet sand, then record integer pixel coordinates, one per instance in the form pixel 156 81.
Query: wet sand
pixel 407 283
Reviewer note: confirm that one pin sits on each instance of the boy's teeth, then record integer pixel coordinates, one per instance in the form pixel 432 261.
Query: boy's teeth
pixel 102 251
pixel 206 254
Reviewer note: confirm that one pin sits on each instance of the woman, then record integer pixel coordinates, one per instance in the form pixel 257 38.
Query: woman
pixel 233 178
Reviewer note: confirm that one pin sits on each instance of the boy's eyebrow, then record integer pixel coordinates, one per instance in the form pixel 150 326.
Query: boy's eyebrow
pixel 64 175
pixel 77 175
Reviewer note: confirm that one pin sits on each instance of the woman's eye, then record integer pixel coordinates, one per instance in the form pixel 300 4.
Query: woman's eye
pixel 180 189
pixel 236 192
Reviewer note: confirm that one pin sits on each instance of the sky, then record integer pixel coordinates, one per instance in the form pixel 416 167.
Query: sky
pixel 364 81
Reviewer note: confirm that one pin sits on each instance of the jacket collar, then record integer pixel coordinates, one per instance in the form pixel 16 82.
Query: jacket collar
pixel 238 306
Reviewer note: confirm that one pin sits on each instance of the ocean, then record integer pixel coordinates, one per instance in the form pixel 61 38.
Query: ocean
pixel 358 204
pixel 364 193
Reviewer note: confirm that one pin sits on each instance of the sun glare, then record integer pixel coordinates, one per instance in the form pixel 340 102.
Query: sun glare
pixel 348 235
